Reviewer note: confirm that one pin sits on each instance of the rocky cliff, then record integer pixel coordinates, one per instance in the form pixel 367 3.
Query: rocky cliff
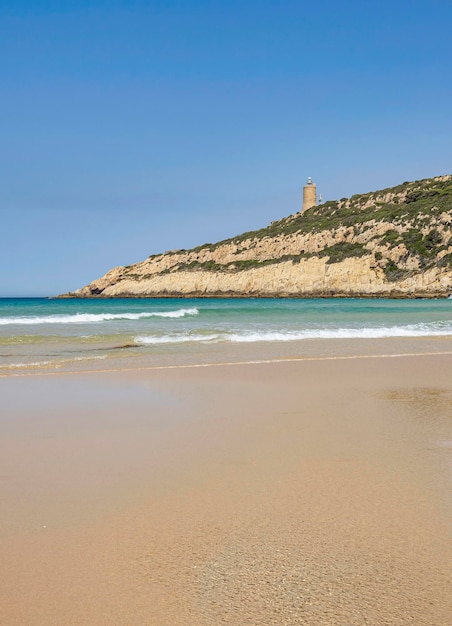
pixel 396 242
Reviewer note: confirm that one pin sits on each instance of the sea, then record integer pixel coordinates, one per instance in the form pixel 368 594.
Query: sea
pixel 47 335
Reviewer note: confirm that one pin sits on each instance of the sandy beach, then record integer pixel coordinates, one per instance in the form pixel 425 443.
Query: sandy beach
pixel 312 491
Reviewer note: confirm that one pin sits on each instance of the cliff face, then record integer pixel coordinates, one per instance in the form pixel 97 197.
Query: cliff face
pixel 396 242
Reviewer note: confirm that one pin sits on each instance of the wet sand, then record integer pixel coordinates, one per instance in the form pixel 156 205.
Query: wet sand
pixel 309 492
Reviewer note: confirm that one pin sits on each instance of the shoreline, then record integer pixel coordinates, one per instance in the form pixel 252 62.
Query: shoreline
pixel 144 368
pixel 390 295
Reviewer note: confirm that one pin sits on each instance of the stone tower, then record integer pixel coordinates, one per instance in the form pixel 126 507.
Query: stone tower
pixel 309 195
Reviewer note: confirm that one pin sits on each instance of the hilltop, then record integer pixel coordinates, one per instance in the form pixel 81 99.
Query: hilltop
pixel 395 242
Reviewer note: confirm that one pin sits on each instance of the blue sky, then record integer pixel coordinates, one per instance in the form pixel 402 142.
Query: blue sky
pixel 134 127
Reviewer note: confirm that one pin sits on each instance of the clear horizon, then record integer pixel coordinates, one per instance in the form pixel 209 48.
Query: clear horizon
pixel 131 128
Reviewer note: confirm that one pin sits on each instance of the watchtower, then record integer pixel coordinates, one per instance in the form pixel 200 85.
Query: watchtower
pixel 309 195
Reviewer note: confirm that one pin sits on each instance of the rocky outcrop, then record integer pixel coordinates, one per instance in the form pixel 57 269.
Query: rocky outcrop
pixel 396 243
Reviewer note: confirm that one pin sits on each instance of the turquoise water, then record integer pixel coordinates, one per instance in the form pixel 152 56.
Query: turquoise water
pixel 39 332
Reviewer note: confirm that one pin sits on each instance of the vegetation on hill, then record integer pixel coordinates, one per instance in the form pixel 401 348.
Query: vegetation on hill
pixel 393 241
pixel 408 201
pixel 408 214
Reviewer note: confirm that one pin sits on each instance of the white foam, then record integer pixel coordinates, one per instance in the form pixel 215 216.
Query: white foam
pixel 22 365
pixel 414 330
pixel 88 318
pixel 55 363
pixel 182 338
pixel 344 333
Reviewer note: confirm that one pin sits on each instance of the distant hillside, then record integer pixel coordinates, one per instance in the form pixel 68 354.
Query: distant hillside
pixel 395 242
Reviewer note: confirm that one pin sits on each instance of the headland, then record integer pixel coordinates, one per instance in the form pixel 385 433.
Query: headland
pixel 396 243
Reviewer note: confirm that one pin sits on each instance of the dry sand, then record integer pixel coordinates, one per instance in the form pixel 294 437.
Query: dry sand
pixel 309 492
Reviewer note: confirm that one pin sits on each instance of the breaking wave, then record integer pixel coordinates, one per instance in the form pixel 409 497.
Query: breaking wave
pixel 89 318
pixel 415 330
pixel 181 338
pixel 344 333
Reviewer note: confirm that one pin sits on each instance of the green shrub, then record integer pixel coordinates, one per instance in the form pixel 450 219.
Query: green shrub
pixel 393 272
pixel 391 237
pixel 343 250
pixel 446 261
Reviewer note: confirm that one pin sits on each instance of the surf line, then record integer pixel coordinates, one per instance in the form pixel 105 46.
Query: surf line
pixel 225 364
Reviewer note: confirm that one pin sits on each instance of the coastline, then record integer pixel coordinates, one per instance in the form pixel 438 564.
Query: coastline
pixel 291 491
pixel 390 295
pixel 132 360
pixel 112 369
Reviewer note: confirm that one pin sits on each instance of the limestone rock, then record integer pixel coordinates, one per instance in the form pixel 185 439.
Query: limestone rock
pixel 395 243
